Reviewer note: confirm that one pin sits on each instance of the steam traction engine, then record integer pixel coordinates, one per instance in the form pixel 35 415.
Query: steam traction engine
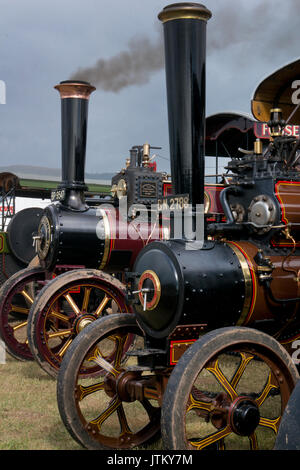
pixel 75 243
pixel 82 248
pixel 201 358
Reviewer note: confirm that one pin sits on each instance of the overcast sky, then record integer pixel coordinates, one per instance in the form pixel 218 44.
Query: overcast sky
pixel 43 42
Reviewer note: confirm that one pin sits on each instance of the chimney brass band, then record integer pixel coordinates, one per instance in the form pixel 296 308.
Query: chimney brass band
pixel 75 89
pixel 180 11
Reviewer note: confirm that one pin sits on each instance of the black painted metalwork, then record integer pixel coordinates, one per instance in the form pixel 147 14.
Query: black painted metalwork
pixel 185 52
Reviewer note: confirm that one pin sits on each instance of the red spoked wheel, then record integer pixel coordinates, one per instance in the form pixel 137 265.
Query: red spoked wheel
pixel 228 391
pixel 111 410
pixel 17 296
pixel 64 307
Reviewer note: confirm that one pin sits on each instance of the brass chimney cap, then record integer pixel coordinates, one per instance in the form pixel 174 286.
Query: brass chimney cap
pixel 75 89
pixel 177 11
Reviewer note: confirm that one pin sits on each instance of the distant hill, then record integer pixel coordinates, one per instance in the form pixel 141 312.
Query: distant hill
pixel 38 172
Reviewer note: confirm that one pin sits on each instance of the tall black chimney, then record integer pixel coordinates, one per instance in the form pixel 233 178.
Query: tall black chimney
pixel 74 115
pixel 185 54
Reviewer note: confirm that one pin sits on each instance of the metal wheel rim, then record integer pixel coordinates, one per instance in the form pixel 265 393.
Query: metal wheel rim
pixel 276 382
pixel 110 372
pixel 10 325
pixel 43 331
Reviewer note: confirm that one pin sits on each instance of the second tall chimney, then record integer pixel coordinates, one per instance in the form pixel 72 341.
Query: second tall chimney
pixel 185 57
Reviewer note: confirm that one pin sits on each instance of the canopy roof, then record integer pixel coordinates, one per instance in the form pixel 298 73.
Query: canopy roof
pixel 227 131
pixel 279 90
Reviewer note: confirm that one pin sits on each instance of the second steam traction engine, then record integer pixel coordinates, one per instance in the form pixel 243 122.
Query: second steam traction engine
pixel 72 232
pixel 206 366
pixel 247 272
pixel 87 237
pixel 83 245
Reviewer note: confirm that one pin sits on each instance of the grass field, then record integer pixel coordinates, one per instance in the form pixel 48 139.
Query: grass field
pixel 29 418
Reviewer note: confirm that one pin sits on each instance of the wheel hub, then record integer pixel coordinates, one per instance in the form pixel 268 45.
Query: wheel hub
pixel 82 321
pixel 126 385
pixel 244 416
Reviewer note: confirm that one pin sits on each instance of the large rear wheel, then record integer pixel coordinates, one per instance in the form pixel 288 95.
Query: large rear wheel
pixel 228 391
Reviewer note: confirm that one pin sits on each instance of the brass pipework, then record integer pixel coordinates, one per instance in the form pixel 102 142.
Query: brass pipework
pixel 258 148
pixel 146 154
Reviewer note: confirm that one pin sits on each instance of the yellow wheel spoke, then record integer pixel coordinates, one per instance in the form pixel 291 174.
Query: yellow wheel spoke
pixel 15 308
pixel 216 371
pixel 59 333
pixel 221 445
pixel 98 358
pixel 199 404
pixel 241 369
pixel 59 316
pixel 270 423
pixel 253 441
pixel 86 298
pixel 212 439
pixel 27 296
pixel 72 303
pixel 120 340
pixel 269 385
pixel 62 351
pixel 102 305
pixel 82 391
pixel 125 429
pixel 108 412
pixel 20 325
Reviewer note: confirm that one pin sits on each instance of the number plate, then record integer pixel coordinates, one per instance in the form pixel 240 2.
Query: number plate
pixel 178 202
pixel 58 195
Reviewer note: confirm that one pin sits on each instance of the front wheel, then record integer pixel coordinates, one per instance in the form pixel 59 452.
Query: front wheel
pixel 228 391
pixel 101 412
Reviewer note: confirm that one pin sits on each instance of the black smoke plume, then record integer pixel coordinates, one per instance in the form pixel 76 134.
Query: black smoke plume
pixel 261 30
pixel 133 66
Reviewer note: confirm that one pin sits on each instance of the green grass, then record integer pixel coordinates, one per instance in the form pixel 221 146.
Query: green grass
pixel 29 418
